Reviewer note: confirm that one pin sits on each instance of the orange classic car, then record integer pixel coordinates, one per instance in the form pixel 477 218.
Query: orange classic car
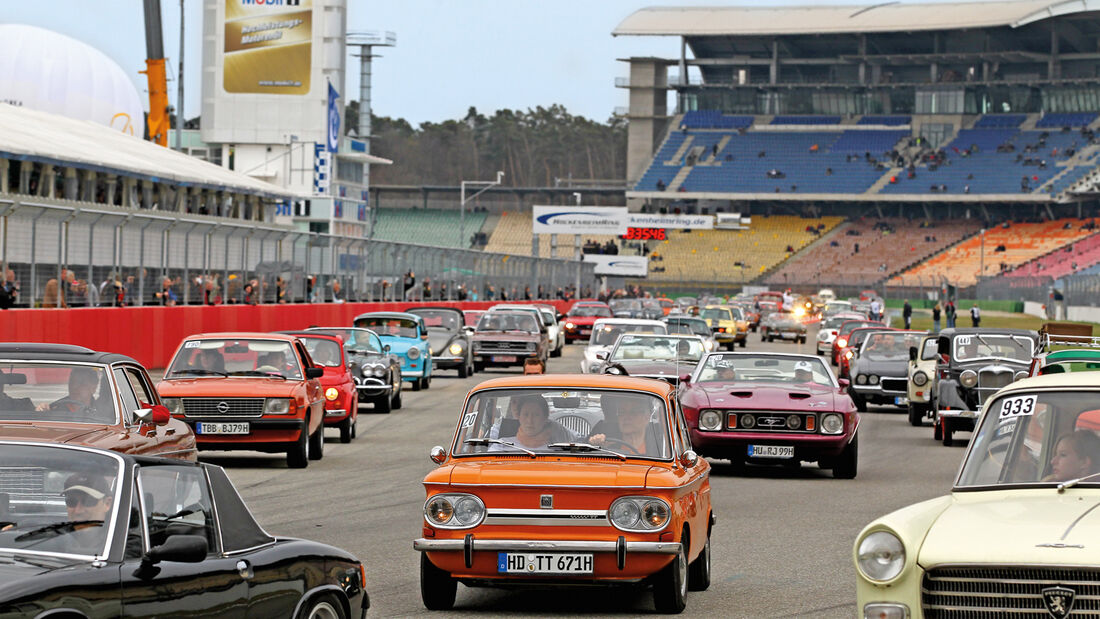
pixel 568 480
pixel 254 391
pixel 70 394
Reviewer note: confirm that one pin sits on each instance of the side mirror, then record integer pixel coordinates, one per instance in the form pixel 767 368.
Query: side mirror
pixel 912 353
pixel 178 548
pixel 314 372
pixel 844 382
pixel 602 355
pixel 423 336
pixel 689 459
pixel 157 415
pixel 386 348
pixel 685 379
pixel 438 454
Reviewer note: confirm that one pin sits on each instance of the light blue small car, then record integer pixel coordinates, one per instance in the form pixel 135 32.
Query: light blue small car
pixel 407 337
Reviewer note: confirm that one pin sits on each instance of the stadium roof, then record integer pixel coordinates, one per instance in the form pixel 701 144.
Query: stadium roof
pixel 838 19
pixel 32 135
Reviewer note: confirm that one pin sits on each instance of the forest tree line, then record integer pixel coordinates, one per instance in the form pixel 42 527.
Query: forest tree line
pixel 532 148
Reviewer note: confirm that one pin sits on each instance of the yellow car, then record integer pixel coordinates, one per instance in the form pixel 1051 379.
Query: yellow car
pixel 727 323
pixel 1017 535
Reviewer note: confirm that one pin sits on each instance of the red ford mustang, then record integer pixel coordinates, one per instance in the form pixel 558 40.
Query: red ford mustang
pixel 768 408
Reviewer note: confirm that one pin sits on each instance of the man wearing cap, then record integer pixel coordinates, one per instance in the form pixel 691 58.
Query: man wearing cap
pixel 88 500
pixel 803 372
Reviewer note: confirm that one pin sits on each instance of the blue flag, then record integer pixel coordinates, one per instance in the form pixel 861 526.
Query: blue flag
pixel 333 141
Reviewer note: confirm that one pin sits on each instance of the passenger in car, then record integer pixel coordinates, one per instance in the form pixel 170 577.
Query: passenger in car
pixel 210 359
pixel 535 427
pixel 1075 455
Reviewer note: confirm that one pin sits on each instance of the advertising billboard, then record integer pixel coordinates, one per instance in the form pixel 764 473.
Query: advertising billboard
pixel 268 47
pixel 622 266
pixel 678 222
pixel 579 220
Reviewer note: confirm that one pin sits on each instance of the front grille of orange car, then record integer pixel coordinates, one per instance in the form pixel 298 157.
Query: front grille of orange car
pixel 988 592
pixel 223 407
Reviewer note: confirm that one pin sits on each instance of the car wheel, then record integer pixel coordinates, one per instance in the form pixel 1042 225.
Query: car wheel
pixel 744 342
pixel 916 415
pixel 730 345
pixel 395 401
pixel 437 587
pixel 479 367
pixel 802 340
pixel 322 607
pixel 847 463
pixel 937 431
pixel 945 434
pixel 347 429
pixel 297 456
pixel 416 384
pixel 556 352
pixel 464 369
pixel 670 584
pixel 383 404
pixel 317 444
pixel 860 402
pixel 819 353
pixel 770 339
pixel 425 382
pixel 699 570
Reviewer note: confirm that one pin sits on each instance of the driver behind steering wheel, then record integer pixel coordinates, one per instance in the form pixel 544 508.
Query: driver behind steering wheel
pixel 626 424
pixel 80 400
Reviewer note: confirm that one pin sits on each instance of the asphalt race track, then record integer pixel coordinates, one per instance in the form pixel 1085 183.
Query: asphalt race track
pixel 782 546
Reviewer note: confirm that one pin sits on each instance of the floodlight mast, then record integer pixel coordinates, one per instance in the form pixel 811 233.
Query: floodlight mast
pixel 366 41
pixel 485 186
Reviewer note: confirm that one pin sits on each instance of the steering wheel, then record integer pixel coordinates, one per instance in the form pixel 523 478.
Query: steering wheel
pixel 70 404
pixel 607 442
pixel 267 368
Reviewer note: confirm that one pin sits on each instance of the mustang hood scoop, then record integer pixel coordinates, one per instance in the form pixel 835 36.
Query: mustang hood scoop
pixel 794 395
pixel 768 396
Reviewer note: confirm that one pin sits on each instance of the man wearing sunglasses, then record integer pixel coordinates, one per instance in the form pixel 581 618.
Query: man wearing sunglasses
pixel 87 497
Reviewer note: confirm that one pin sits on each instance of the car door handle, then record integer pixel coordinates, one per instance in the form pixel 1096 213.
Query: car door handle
pixel 244 568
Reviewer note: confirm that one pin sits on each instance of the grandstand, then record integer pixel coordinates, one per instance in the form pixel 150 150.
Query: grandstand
pixel 1062 261
pixel 436 227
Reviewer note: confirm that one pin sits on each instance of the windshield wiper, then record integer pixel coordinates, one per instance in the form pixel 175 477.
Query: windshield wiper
pixel 55 529
pixel 198 372
pixel 259 373
pixel 496 441
pixel 586 447
pixel 1073 482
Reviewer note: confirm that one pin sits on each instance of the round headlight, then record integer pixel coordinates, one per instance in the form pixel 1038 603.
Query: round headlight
pixel 639 513
pixel 794 422
pixel 968 378
pixel 655 514
pixel 379 371
pixel 1019 375
pixel 468 511
pixel 625 514
pixel 331 393
pixel 872 380
pixel 920 379
pixel 842 342
pixel 593 368
pixel 832 423
pixel 881 556
pixel 530 345
pixel 455 349
pixel 748 421
pixel 570 325
pixel 861 379
pixel 709 345
pixel 414 353
pixel 439 510
pixel 710 420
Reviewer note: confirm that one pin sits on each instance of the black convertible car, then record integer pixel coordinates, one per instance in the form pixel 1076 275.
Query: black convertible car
pixel 377 373
pixel 92 533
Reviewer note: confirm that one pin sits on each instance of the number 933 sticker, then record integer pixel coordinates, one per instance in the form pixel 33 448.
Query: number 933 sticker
pixel 1020 406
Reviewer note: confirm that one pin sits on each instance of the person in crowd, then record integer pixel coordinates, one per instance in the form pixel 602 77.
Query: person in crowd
pixel 166 295
pixel 907 314
pixel 280 290
pixel 975 316
pixel 950 314
pixel 338 295
pixel 936 318
pixel 9 290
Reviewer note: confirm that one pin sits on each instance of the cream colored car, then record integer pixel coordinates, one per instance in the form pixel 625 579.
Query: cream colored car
pixel 1017 537
pixel 922 380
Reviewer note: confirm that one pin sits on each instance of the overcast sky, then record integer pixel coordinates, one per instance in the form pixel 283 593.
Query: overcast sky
pixel 450 54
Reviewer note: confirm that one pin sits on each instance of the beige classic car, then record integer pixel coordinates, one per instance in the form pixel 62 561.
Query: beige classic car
pixel 922 380
pixel 1017 536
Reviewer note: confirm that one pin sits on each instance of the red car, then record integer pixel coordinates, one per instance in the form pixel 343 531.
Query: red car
pixel 580 318
pixel 341 394
pixel 770 408
pixel 846 328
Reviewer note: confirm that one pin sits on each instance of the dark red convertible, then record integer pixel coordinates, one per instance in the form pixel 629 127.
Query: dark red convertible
pixel 766 408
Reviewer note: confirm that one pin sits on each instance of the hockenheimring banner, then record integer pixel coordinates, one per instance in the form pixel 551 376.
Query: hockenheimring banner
pixel 608 220
pixel 623 266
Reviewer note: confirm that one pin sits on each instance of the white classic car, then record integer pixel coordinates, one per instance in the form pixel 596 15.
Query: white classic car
pixel 604 333
pixel 1017 537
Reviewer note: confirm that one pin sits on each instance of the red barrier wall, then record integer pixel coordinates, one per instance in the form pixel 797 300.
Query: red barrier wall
pixel 151 334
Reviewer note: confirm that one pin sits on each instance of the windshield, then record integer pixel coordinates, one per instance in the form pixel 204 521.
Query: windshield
pixel 323 352
pixel 590 310
pixel 1037 437
pixel 605 334
pixel 628 423
pixel 716 313
pixel 834 322
pixel 55 392
pixel 356 340
pixel 776 318
pixel 472 316
pixel 764 368
pixel 235 358
pixel 694 327
pixel 634 346
pixel 625 304
pixel 383 326
pixel 852 325
pixel 57 501
pixel 977 346
pixel 889 346
pixel 499 321
pixel 440 319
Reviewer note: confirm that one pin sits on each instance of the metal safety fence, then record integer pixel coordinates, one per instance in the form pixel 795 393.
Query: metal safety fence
pixel 63 253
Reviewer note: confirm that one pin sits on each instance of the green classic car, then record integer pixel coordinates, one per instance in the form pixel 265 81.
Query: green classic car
pixel 1017 535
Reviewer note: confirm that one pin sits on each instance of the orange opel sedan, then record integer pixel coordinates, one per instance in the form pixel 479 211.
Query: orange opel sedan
pixel 253 391
pixel 568 479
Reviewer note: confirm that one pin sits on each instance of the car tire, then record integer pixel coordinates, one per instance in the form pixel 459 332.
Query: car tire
pixel 478 367
pixel 860 402
pixel 416 384
pixel 297 455
pixel 937 431
pixel 819 353
pixel 671 583
pixel 464 369
pixel 317 444
pixel 383 404
pixel 325 606
pixel 395 401
pixel 946 434
pixel 730 345
pixel 846 464
pixel 699 570
pixel 770 339
pixel 556 352
pixel 437 587
pixel 744 342
pixel 347 429
pixel 916 415
pixel 802 340
pixel 425 382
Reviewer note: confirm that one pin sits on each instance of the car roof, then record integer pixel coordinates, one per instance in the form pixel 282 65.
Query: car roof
pixel 1075 380
pixel 402 315
pixel 1072 353
pixel 412 310
pixel 987 331
pixel 38 351
pixel 583 381
pixel 242 335
pixel 629 321
pixel 317 335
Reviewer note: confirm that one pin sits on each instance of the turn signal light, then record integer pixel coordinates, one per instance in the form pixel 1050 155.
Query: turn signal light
pixel 811 423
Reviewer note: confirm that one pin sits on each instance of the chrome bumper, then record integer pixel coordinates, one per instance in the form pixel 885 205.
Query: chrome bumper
pixel 523 545
pixel 956 414
pixel 448 359
pixel 335 412
pixel 375 387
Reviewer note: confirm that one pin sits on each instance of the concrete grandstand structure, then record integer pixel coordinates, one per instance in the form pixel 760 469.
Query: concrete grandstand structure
pixel 936 120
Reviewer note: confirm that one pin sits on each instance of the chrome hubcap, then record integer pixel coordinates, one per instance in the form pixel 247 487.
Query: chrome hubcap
pixel 324 610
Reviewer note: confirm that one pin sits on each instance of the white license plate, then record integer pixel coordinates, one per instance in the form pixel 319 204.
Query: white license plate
pixel 586 331
pixel 503 358
pixel 543 563
pixel 901 401
pixel 789 336
pixel 221 428
pixel 771 451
